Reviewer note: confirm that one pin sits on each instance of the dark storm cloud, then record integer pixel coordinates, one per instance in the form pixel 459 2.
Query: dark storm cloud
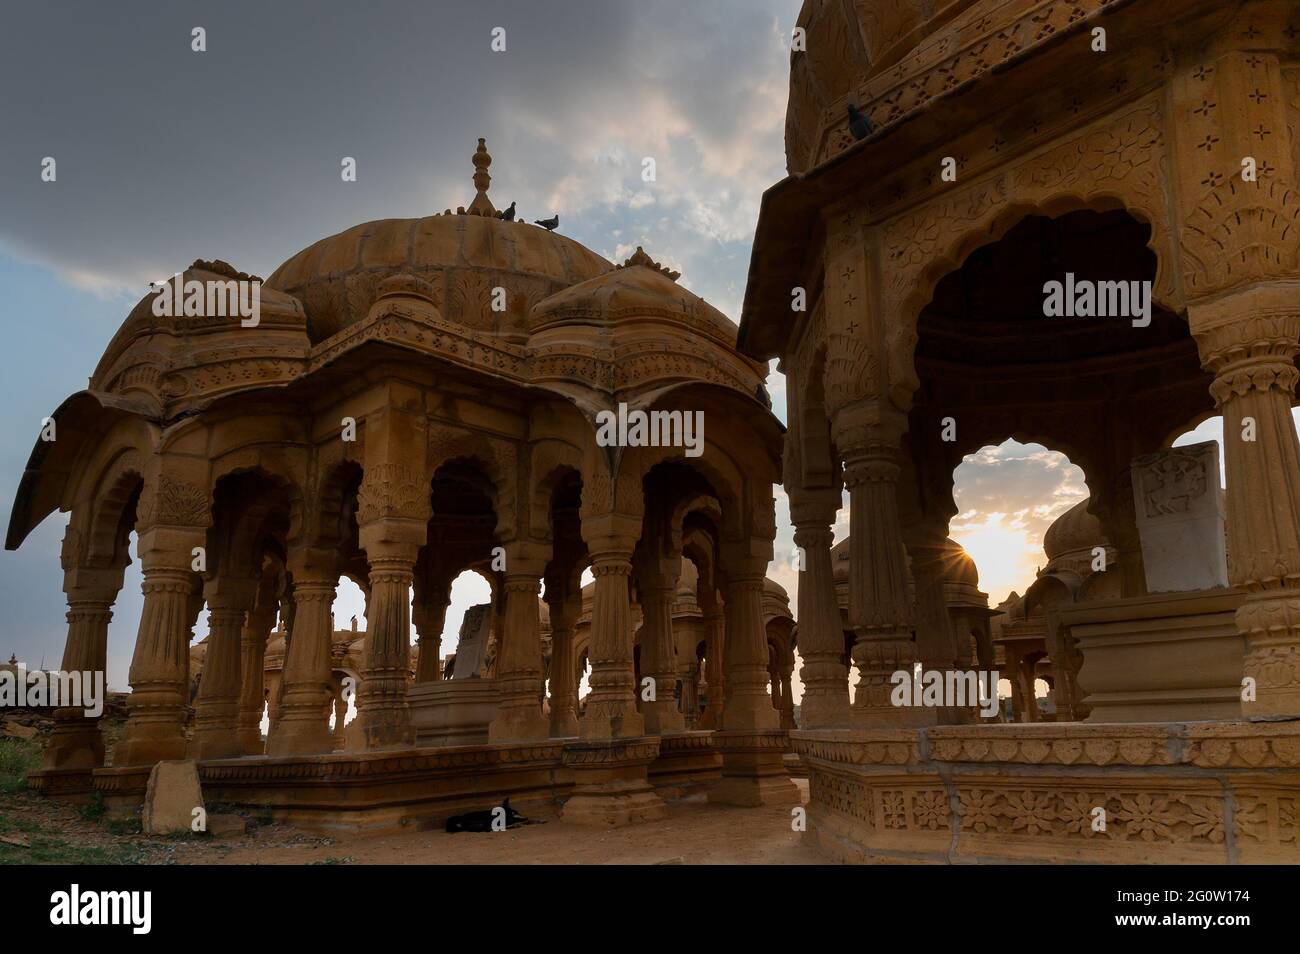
pixel 165 155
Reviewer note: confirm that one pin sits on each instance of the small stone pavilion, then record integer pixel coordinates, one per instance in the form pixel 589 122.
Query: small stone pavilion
pixel 1008 144
pixel 419 397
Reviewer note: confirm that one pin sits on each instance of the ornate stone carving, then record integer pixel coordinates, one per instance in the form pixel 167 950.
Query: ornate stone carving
pixel 392 490
pixel 173 502
pixel 1240 232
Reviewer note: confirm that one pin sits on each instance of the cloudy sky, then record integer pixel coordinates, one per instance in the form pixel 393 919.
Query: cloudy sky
pixel 165 155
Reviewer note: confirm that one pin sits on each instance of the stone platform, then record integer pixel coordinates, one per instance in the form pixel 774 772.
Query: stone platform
pixel 610 783
pixel 1196 792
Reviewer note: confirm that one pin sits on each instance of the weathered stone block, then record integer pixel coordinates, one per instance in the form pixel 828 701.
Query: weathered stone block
pixel 171 798
pixel 1180 518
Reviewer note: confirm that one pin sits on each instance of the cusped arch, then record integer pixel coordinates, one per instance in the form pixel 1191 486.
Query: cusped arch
pixel 495 458
pixel 1119 164
pixel 551 461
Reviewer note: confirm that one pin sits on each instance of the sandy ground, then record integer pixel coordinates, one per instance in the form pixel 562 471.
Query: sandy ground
pixel 695 833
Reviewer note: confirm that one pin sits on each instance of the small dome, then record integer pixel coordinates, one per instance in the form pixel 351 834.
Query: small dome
pixel 1074 530
pixel 640 289
pixel 959 567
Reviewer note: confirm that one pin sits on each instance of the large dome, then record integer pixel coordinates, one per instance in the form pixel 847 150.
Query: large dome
pixel 462 256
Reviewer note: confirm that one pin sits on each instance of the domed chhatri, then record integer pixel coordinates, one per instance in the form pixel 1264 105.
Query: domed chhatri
pixel 416 398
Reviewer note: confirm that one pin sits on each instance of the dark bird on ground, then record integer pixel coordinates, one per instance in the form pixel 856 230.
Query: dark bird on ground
pixel 482 821
pixel 860 125
pixel 509 214
pixel 549 224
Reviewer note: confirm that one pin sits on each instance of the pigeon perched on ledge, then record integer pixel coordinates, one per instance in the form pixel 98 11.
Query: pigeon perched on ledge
pixel 860 125
pixel 548 224
pixel 508 215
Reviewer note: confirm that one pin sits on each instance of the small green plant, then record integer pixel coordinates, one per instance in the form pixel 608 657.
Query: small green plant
pixel 123 824
pixel 17 758
pixel 95 809
pixel 346 860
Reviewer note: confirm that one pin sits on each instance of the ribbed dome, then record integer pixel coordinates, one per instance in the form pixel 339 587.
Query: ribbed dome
pixel 640 290
pixel 462 256
pixel 1076 529
pixel 959 567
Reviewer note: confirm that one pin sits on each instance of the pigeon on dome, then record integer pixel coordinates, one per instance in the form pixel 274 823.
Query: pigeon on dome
pixel 550 224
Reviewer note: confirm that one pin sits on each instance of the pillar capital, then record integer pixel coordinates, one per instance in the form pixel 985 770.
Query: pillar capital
pixel 814 509
pixel 313 563
pixel 869 431
pixel 611 535
pixel 1249 338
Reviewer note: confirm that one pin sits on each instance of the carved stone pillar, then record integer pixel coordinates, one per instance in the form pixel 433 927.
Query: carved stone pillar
pixel 75 743
pixel 880 609
pixel 1248 339
pixel 787 699
pixel 690 676
pixel 611 704
pixel 821 639
pixel 657 585
pixel 519 652
pixel 299 726
pixel 158 707
pixel 748 705
pixel 430 615
pixel 383 717
pixel 565 604
pixel 715 640
pixel 252 673
pixel 216 719
pixel 751 740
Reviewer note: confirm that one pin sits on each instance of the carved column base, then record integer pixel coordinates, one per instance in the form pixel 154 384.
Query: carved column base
pixel 610 785
pixel 662 718
pixel 300 734
pixel 216 734
pixel 154 730
pixel 520 722
pixel 250 740
pixel 753 769
pixel 564 723
pixel 388 727
pixel 611 719
pixel 75 742
pixel 1270 621
pixel 825 701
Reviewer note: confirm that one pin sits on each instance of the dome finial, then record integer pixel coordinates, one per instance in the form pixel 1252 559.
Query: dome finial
pixel 481 205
